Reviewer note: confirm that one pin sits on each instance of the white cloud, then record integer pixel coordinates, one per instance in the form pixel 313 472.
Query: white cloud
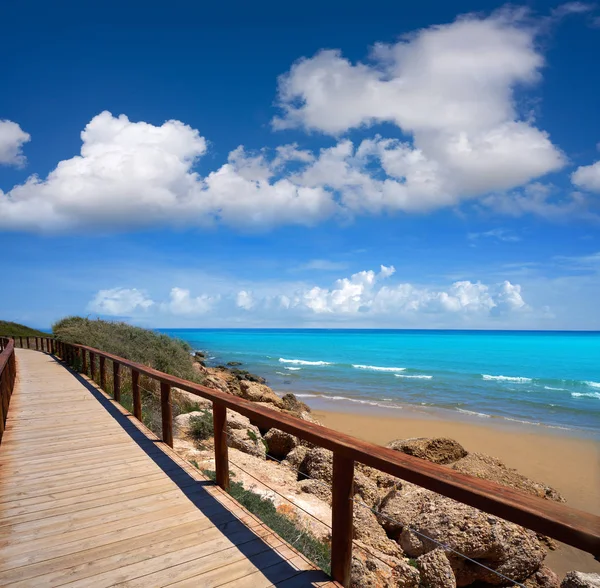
pixel 181 302
pixel 244 300
pixel 452 88
pixel 322 265
pixel 499 234
pixel 587 177
pixel 12 139
pixel 119 301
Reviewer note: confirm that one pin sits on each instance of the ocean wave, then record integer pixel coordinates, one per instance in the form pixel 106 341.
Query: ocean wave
pixel 292 369
pixel 586 394
pixel 303 362
pixel 376 368
pixel 551 388
pixel 593 384
pixel 286 374
pixel 307 395
pixel 473 413
pixel 360 401
pixel 519 379
pixel 418 376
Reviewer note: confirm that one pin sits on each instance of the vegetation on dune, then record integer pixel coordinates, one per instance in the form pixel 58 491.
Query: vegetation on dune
pixel 153 349
pixel 289 530
pixel 9 329
pixel 201 426
pixel 144 346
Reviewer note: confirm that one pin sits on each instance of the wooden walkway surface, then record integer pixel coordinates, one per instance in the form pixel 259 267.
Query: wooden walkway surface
pixel 89 497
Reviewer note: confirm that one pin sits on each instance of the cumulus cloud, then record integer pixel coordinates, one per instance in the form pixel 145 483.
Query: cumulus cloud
pixel 120 301
pixel 587 177
pixel 182 302
pixel 12 139
pixel 244 300
pixel 452 88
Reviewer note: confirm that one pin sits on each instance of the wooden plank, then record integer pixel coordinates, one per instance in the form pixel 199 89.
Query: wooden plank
pixel 221 450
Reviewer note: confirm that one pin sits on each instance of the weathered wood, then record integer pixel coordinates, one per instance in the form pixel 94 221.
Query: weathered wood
pixel 341 518
pixel 166 413
pixel 117 381
pixel 137 397
pixel 92 365
pixel 221 450
pixel 103 373
pixel 84 365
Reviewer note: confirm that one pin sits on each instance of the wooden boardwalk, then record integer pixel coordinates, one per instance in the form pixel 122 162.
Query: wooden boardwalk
pixel 89 497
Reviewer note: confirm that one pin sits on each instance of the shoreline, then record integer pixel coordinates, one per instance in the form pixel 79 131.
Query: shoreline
pixel 375 408
pixel 568 463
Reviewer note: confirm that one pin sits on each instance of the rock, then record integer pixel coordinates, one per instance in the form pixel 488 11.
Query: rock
pixel 368 571
pixel 280 443
pixel 182 422
pixel 213 381
pixel 291 403
pixel 200 368
pixel 367 489
pixel 259 393
pixel 200 355
pixel 317 488
pixel 543 578
pixel 490 468
pixel 385 482
pixel 368 530
pixel 436 450
pixel 295 458
pixel 503 546
pixel 580 580
pixel 246 375
pixel 318 464
pixel 234 363
pixel 436 571
pixel 244 436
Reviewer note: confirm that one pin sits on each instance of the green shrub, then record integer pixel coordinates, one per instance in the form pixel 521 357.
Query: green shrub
pixel 304 541
pixel 201 426
pixel 8 329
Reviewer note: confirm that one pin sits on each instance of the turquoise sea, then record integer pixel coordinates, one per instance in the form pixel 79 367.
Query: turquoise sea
pixel 543 378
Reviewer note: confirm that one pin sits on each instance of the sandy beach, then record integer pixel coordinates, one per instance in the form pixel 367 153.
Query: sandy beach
pixel 568 463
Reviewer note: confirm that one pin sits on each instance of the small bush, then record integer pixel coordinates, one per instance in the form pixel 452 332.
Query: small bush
pixel 304 541
pixel 201 426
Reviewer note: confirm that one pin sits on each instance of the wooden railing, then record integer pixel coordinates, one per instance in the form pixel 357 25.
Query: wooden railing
pixel 8 373
pixel 561 522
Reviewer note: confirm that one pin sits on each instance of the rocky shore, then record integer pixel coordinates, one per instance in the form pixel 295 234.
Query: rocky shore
pixel 398 527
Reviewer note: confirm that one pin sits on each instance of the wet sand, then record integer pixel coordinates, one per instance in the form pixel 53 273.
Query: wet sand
pixel 566 462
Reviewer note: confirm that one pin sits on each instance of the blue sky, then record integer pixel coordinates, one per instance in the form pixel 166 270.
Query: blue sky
pixel 433 166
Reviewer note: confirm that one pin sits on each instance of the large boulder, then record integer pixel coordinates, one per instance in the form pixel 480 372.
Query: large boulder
pixel 295 458
pixel 543 578
pixel 244 436
pixel 380 571
pixel 256 392
pixel 291 403
pixel 436 571
pixel 436 450
pixel 580 580
pixel 316 488
pixel 318 464
pixel 280 443
pixel 489 468
pixel 413 513
pixel 368 530
pixel 181 423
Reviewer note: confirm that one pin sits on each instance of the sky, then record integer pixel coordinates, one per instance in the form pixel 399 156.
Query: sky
pixel 326 165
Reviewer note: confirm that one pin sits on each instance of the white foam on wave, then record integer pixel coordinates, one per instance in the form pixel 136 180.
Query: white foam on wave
pixel 593 384
pixel 292 369
pixel 586 394
pixel 551 388
pixel 471 412
pixel 377 368
pixel 417 377
pixel 518 379
pixel 307 395
pixel 303 362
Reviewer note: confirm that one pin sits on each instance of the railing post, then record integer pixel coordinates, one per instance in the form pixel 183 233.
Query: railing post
pixel 102 373
pixel 27 339
pixel 135 391
pixel 167 413
pixel 92 365
pixel 21 342
pixel 341 518
pixel 116 381
pixel 84 361
pixel 221 451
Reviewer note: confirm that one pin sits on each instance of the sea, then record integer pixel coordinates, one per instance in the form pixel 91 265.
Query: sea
pixel 547 379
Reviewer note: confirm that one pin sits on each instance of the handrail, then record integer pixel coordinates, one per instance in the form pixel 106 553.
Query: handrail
pixel 8 374
pixel 563 523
